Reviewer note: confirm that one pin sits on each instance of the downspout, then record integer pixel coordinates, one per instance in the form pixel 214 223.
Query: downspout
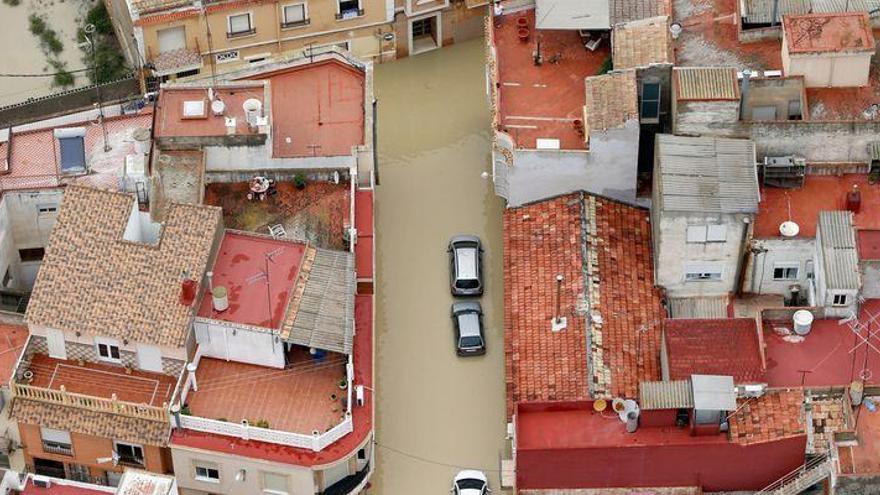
pixel 746 256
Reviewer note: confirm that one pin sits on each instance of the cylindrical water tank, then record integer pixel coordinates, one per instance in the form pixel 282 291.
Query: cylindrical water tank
pixel 803 321
pixel 220 298
pixel 632 421
pixel 141 138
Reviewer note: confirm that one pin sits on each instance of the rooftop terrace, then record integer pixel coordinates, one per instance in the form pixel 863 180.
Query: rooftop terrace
pixel 819 193
pixel 259 273
pixel 543 101
pixel 186 112
pixel 302 397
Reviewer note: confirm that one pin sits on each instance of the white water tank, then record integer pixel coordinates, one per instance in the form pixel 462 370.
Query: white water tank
pixel 141 138
pixel 803 321
pixel 789 229
pixel 253 109
pixel 218 107
pixel 220 298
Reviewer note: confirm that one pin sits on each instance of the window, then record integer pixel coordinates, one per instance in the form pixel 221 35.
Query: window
pixel 785 271
pixel 73 153
pixel 349 9
pixel 172 39
pixel 362 454
pixel 31 254
pixel 703 273
pixel 276 484
pixel 129 454
pixel 650 109
pixel 207 472
pixel 240 25
pixel 706 233
pixel 108 350
pixel 422 27
pixel 294 15
pixel 46 209
pixel 839 300
pixel 56 441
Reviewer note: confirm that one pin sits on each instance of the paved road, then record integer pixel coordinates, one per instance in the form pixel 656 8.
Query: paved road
pixel 436 411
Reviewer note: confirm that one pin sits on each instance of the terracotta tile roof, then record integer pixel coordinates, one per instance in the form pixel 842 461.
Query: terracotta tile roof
pixel 634 10
pixel 160 18
pixel 641 43
pixel 612 100
pixel 12 341
pixel 774 416
pixel 176 61
pixel 824 33
pixel 99 424
pixel 713 347
pixel 624 302
pixel 705 83
pixel 829 416
pixel 614 284
pixel 93 281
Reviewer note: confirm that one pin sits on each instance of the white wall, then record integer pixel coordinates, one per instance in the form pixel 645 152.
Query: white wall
pixel 222 340
pixel 22 226
pixel 870 279
pixel 673 254
pixel 69 336
pixel 767 253
pixel 829 70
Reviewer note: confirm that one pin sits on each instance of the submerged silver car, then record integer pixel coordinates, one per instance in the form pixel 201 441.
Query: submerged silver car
pixel 467 317
pixel 466 265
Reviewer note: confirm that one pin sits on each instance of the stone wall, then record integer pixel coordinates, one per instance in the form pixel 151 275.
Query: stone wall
pixel 858 485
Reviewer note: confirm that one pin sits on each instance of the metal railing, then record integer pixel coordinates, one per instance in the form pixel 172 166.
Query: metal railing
pixel 88 402
pixel 810 473
pixel 54 448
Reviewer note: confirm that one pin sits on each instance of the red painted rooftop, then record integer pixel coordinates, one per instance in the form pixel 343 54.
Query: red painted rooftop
pixel 245 265
pixel 61 488
pixel 542 101
pixel 12 341
pixel 576 425
pixel 819 193
pixel 36 158
pixel 863 458
pixel 869 244
pixel 714 347
pixel 823 33
pixel 823 358
pixel 318 109
pixel 170 121
pixel 361 416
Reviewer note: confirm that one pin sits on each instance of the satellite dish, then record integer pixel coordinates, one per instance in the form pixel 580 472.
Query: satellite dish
pixel 789 229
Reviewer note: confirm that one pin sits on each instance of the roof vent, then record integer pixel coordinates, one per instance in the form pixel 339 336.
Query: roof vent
pixel 789 229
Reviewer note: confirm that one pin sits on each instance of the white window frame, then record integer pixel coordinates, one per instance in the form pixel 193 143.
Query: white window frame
pixel 237 34
pixel 206 466
pixel 272 491
pixel 834 300
pixel 143 459
pixel 287 24
pixel 701 271
pixel 109 344
pixel 227 56
pixel 785 265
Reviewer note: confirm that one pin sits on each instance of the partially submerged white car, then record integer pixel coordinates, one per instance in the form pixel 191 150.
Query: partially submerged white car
pixel 470 482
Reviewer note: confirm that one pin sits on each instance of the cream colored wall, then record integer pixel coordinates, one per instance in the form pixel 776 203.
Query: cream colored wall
pixel 178 353
pixel 829 70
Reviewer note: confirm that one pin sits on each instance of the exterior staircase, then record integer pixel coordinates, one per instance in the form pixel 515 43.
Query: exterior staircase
pixel 813 471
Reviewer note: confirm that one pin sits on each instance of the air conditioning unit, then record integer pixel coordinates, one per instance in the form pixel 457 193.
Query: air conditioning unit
pixel 42 481
pixel 751 390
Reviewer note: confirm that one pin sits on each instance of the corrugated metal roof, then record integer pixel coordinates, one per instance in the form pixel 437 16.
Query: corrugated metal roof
pixel 761 11
pixel 874 150
pixel 838 247
pixel 706 83
pixel 698 307
pixel 706 174
pixel 325 315
pixel 675 394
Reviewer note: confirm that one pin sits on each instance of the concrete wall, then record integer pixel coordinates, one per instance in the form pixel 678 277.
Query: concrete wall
pixel 255 158
pixel 870 270
pixel 608 169
pixel 22 226
pixel 697 117
pixel 767 253
pixel 857 485
pixel 301 480
pixel 674 255
pixel 838 70
pixel 223 340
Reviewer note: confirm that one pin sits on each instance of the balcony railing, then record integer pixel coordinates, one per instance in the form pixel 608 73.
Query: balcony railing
pixel 56 448
pixel 315 443
pixel 99 404
pixel 239 34
pixel 349 14
pixel 304 22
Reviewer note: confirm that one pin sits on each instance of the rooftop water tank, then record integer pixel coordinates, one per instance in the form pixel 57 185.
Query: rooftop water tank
pixel 220 298
pixel 803 321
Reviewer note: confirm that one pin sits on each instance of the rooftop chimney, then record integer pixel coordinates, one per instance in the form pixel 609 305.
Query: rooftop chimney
pixel 188 291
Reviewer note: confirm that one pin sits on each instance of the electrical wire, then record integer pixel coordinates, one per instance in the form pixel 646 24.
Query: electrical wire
pixel 47 74
pixel 431 461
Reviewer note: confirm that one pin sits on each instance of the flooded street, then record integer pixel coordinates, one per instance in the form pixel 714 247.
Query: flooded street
pixel 436 412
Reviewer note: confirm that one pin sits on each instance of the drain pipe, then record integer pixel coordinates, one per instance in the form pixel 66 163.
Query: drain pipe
pixel 744 93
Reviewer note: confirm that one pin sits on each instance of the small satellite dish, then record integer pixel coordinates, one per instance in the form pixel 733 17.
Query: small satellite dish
pixel 789 229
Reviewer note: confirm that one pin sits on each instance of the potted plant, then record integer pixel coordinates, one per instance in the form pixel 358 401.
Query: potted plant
pixel 299 181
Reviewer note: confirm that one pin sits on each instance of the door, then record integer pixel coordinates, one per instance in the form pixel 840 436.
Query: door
pixel 149 358
pixel 55 342
pixel 172 39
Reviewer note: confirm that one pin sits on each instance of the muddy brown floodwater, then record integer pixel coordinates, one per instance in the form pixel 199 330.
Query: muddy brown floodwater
pixel 436 412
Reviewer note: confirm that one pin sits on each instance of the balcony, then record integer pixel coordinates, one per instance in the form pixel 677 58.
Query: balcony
pixel 241 34
pixel 175 61
pixel 349 14
pixel 299 406
pixel 57 448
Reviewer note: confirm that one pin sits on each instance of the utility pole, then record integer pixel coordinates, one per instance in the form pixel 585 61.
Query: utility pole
pixel 90 37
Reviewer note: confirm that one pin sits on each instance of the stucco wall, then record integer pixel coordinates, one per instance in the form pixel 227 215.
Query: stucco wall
pixel 870 279
pixel 696 117
pixel 674 254
pixel 828 70
pixel 767 253
pixel 221 340
pixel 22 226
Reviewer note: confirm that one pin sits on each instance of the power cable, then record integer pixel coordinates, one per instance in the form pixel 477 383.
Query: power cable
pixel 430 461
pixel 47 74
